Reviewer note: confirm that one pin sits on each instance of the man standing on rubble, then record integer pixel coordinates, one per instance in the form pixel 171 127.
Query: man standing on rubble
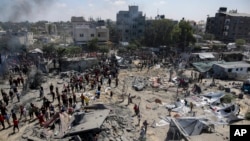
pixel 2 120
pixel 53 95
pixel 51 87
pixel 145 124
pixel 109 81
pixel 191 106
pixel 139 119
pixel 82 99
pixel 41 92
pixel 15 125
pixel 129 99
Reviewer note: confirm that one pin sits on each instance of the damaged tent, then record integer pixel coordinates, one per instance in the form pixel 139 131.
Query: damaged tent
pixel 212 97
pixel 229 113
pixel 227 110
pixel 178 106
pixel 189 126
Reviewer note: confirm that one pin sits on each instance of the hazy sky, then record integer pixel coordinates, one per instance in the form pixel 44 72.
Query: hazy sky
pixel 62 10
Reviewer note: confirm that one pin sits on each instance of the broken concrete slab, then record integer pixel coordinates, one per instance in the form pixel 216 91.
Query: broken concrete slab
pixel 90 121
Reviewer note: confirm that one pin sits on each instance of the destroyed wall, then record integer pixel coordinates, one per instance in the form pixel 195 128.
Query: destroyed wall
pixel 68 65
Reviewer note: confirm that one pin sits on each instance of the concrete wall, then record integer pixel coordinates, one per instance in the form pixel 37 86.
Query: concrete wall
pixel 85 33
pixel 68 65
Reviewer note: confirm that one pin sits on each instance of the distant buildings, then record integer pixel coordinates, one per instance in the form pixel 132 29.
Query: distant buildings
pixel 84 31
pixel 198 27
pixel 229 26
pixel 21 38
pixel 51 28
pixel 2 33
pixel 130 24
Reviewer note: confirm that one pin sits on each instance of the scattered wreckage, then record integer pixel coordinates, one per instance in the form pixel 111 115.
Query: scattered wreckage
pixel 139 83
pixel 188 126
pixel 98 121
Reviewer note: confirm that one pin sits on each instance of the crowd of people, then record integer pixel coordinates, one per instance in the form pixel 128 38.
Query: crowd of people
pixel 60 98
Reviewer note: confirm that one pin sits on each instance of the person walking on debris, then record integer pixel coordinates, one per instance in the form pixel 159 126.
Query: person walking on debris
pixel 74 98
pixel 86 100
pixel 82 99
pixel 53 95
pixel 51 87
pixel 139 119
pixel 195 76
pixel 145 124
pixel 15 125
pixel 11 95
pixel 6 99
pixel 142 134
pixel 169 111
pixel 116 81
pixel 7 118
pixel 109 81
pixel 191 106
pixel 70 101
pixel 111 94
pixel 13 114
pixel 136 109
pixel 129 99
pixel 22 110
pixel 192 73
pixel 2 120
pixel 41 92
pixel 18 96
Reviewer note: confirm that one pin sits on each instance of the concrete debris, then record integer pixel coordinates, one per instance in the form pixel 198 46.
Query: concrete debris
pixel 189 126
pixel 139 83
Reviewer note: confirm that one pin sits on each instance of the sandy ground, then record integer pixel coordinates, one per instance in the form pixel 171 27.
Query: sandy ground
pixel 150 111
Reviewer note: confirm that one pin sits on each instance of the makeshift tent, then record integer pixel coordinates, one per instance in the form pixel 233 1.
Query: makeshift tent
pixel 226 111
pixel 190 126
pixel 213 97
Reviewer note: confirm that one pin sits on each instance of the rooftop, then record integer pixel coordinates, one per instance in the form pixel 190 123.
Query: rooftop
pixel 204 66
pixel 236 14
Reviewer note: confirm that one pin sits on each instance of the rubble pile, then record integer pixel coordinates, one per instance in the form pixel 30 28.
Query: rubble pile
pixel 139 83
pixel 118 126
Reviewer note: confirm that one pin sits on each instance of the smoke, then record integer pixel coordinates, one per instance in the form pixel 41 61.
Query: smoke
pixel 20 10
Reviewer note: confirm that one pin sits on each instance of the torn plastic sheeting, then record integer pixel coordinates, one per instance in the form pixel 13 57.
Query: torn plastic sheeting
pixel 226 111
pixel 190 126
pixel 107 89
pixel 162 123
pixel 212 97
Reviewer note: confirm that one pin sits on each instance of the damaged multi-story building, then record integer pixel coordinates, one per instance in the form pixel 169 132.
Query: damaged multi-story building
pixel 229 25
pixel 84 31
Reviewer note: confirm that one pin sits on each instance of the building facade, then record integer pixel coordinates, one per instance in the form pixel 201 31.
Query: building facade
pixel 130 24
pixel 22 38
pixel 84 31
pixel 229 26
pixel 51 28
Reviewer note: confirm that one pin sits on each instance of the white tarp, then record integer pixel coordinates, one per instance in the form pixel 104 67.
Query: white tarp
pixel 206 55
pixel 37 50
pixel 227 110
pixel 190 126
pixel 212 97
